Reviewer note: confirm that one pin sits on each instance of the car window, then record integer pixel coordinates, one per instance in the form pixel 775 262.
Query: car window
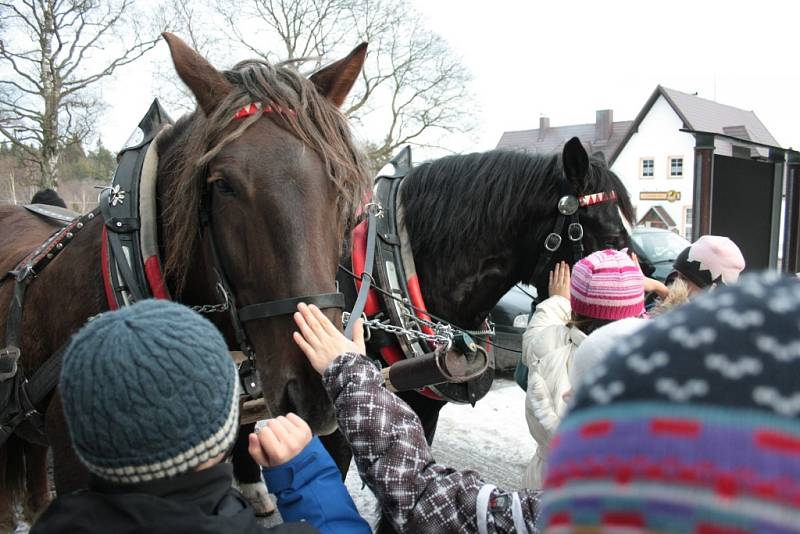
pixel 660 246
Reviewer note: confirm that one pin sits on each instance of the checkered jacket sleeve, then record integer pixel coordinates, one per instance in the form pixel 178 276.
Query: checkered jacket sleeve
pixel 395 461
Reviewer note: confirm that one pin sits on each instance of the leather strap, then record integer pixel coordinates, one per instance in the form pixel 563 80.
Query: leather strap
pixel 264 310
pixel 366 276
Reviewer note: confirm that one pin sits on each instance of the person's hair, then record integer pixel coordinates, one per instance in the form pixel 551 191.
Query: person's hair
pixel 48 196
pixel 585 324
pixel 677 296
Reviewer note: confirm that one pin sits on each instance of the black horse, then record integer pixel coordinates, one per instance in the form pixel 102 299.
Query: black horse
pixel 478 223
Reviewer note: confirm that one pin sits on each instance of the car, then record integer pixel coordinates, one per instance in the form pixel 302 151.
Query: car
pixel 657 249
pixel 510 318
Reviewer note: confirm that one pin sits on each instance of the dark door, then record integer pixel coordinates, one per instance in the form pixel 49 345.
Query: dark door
pixel 741 206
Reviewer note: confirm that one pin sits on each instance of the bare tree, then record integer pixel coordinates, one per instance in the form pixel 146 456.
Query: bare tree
pixel 53 53
pixel 191 21
pixel 414 89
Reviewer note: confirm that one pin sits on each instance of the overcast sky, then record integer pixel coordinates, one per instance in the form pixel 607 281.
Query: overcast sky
pixel 565 60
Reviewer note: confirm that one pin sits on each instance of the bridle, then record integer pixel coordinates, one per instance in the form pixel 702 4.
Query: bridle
pixel 260 310
pixel 568 207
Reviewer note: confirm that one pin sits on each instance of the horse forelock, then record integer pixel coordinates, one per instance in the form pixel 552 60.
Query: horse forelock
pixel 196 139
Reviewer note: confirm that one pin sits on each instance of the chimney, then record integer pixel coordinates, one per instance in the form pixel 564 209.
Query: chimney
pixel 544 125
pixel 603 125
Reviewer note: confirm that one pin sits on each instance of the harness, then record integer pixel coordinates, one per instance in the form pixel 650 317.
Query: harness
pixel 400 310
pixel 131 272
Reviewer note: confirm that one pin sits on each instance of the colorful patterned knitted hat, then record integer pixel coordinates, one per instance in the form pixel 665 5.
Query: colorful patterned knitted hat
pixel 712 259
pixel 607 285
pixel 149 392
pixel 692 425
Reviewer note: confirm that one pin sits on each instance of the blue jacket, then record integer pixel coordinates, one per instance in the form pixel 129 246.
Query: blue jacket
pixel 309 488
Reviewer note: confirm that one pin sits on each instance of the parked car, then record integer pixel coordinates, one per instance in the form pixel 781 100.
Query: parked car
pixel 657 249
pixel 510 317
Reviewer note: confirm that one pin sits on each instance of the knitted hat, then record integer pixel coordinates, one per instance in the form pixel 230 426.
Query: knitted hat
pixel 597 345
pixel 692 425
pixel 607 285
pixel 149 392
pixel 712 259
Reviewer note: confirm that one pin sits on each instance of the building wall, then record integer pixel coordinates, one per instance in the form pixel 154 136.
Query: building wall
pixel 659 138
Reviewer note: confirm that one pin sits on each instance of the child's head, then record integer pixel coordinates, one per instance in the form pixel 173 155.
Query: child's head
pixel 690 424
pixel 149 392
pixel 711 260
pixel 605 286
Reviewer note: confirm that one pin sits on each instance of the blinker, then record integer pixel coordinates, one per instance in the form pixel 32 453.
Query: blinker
pixel 568 205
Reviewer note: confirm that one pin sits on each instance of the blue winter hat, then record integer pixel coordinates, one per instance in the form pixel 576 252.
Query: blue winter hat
pixel 149 392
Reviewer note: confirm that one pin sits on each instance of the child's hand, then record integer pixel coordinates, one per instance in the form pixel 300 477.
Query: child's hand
pixel 322 342
pixel 559 280
pixel 279 441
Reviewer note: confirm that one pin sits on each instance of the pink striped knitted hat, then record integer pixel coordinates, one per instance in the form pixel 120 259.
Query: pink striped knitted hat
pixel 607 285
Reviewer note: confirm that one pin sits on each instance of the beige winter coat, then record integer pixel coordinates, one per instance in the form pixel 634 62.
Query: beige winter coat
pixel 547 347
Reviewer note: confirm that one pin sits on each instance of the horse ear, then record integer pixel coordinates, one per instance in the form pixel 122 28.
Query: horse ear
pixel 208 85
pixel 575 160
pixel 336 80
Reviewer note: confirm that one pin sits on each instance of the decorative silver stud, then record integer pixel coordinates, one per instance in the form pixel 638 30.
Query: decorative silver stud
pixel 119 224
pixel 59 246
pixel 117 196
pixel 69 235
pixel 79 225
pixel 90 216
pixel 49 255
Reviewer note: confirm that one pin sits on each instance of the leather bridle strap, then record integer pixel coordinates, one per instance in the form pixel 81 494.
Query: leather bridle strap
pixel 265 310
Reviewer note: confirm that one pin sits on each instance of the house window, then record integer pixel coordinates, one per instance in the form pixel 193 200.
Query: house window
pixel 675 167
pixel 648 167
pixel 687 223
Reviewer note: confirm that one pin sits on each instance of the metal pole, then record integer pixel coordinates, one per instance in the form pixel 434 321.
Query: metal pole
pixel 791 223
pixel 777 157
pixel 703 184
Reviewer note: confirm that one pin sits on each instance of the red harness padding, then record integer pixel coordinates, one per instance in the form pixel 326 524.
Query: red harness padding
pixel 152 272
pixel 391 354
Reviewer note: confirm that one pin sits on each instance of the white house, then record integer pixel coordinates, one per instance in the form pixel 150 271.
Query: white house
pixel 652 156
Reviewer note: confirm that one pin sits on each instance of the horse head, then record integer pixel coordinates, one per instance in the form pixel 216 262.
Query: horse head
pixel 606 223
pixel 257 187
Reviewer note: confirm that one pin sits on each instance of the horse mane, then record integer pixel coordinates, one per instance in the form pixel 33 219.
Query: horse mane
pixel 482 193
pixel 195 139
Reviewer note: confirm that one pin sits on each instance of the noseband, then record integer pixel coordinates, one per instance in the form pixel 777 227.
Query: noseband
pixel 568 210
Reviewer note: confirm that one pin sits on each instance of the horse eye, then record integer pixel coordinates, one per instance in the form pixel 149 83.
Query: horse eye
pixel 224 187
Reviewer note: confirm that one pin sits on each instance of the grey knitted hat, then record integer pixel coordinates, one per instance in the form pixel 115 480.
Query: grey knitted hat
pixel 149 392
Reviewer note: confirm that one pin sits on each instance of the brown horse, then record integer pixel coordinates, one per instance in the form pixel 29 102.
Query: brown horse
pixel 283 187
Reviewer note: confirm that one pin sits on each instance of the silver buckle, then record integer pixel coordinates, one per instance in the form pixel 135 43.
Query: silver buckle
pixel 575 232
pixel 552 242
pixel 8 362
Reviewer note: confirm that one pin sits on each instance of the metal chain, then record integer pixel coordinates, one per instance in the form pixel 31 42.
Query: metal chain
pixel 216 308
pixel 443 335
pixel 212 308
pixel 435 326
